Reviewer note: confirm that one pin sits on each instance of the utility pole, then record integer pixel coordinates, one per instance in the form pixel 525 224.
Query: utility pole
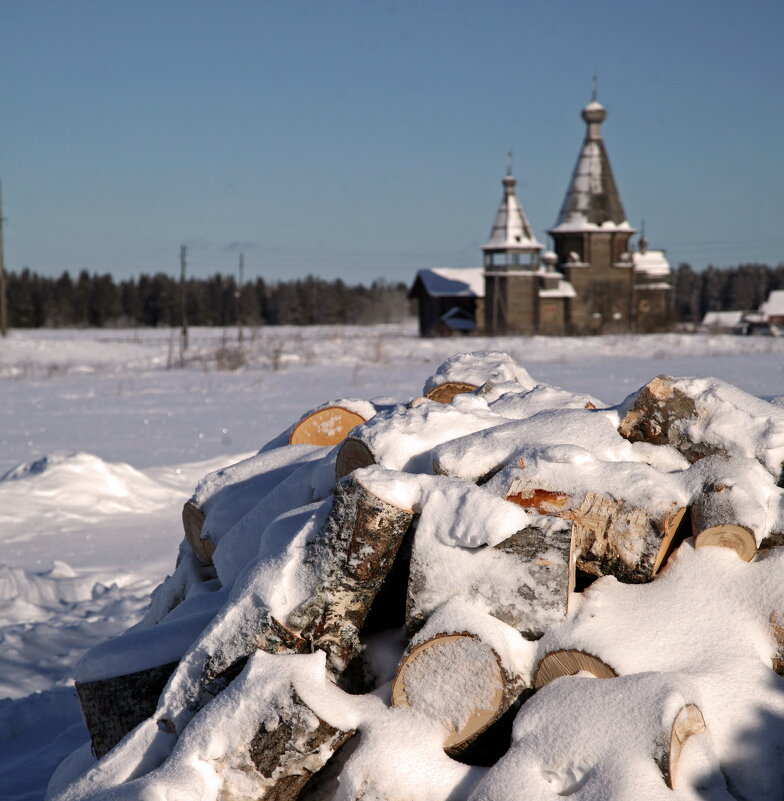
pixel 240 320
pixel 3 300
pixel 183 307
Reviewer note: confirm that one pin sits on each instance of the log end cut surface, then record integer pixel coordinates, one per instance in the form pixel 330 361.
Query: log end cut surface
pixel 674 533
pixel 569 663
pixel 325 427
pixel 444 393
pixel 455 679
pixel 687 722
pixel 192 523
pixel 728 535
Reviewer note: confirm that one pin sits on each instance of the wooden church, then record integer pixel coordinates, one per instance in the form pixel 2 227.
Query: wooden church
pixel 590 283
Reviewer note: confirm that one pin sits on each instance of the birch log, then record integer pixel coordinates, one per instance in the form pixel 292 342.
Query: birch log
pixel 288 755
pixel 458 680
pixel 735 505
pixel 443 393
pixel 569 662
pixel 525 581
pixel 611 537
pixel 700 417
pixel 354 551
pixel 403 438
pixel 325 426
pixel 687 722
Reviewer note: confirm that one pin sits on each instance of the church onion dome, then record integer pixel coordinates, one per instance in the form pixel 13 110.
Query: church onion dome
pixel 592 200
pixel 511 230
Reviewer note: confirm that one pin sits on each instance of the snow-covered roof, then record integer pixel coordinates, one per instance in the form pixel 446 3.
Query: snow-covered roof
pixel 511 229
pixel 723 319
pixel 774 305
pixel 592 201
pixel 563 290
pixel 650 262
pixel 453 282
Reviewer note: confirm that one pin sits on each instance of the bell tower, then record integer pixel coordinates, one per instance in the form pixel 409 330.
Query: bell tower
pixel 591 238
pixel 511 263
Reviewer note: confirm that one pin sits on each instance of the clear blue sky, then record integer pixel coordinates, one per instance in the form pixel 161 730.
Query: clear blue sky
pixel 367 139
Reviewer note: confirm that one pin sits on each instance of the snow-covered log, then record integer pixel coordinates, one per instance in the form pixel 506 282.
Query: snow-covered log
pixel 687 722
pixel 524 580
pixel 289 752
pixel 569 662
pixel 353 553
pixel 517 403
pixel 735 504
pixel 457 679
pixel 626 517
pixel 704 416
pixel 479 455
pixel 477 368
pixel 402 438
pixel 225 496
pixel 444 393
pixel 112 707
pixel 329 424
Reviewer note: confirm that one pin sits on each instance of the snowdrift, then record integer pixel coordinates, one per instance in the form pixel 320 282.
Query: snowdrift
pixel 500 589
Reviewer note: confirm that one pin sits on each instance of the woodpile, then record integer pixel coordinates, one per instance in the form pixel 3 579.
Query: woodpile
pixel 467 519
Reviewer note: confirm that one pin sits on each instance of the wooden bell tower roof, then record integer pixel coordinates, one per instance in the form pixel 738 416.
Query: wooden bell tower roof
pixel 592 201
pixel 511 232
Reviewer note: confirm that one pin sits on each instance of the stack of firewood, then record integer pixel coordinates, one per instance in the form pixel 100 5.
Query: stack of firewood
pixel 489 494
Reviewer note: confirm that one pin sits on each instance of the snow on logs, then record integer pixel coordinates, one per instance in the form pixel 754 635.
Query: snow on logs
pixel 465 514
pixel 462 671
pixel 329 424
pixel 625 516
pixel 704 416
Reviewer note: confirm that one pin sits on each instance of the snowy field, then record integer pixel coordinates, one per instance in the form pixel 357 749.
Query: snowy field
pixel 103 435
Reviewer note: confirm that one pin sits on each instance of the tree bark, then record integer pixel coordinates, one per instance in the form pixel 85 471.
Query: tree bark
pixel 352 455
pixel 611 537
pixel 354 550
pixel 288 755
pixel 525 581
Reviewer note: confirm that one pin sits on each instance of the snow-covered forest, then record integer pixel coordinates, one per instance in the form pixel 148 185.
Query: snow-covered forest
pixel 103 436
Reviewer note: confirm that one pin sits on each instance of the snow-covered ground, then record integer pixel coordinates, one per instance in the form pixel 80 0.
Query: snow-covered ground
pixel 103 436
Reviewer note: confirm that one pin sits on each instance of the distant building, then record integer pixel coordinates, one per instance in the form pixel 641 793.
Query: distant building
pixel 772 309
pixel 590 283
pixel 450 301
pixel 768 320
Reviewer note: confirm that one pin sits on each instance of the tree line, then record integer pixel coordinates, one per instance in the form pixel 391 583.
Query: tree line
pixel 741 288
pixel 95 300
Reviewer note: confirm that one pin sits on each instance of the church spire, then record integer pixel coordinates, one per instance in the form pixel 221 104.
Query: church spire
pixel 592 198
pixel 511 232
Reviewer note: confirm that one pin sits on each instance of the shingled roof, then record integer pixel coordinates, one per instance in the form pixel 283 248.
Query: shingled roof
pixel 592 200
pixel 511 230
